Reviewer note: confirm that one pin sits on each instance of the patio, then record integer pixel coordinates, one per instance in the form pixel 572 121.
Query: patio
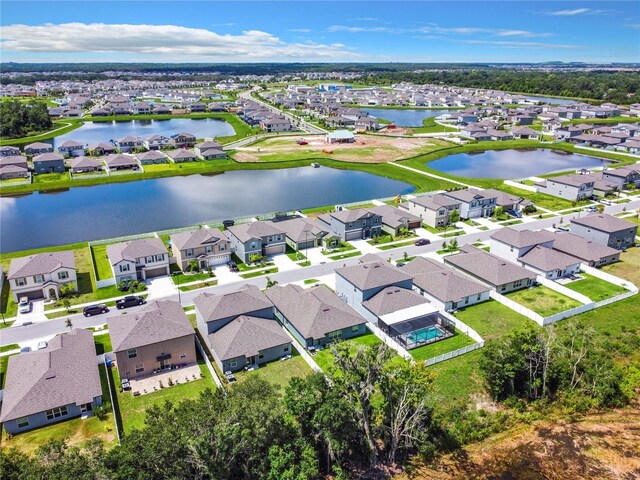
pixel 166 378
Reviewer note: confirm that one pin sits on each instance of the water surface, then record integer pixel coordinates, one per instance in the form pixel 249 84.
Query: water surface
pixel 407 117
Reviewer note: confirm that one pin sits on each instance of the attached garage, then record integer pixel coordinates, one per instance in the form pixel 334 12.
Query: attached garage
pixel 355 235
pixel 274 249
pixel 156 272
pixel 32 295
pixel 215 260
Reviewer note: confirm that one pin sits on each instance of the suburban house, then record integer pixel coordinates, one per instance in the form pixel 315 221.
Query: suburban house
pixel 152 339
pixel 183 140
pixel 511 244
pixel 71 148
pixel 434 210
pixel 9 151
pixel 315 316
pixel 394 220
pixel 151 157
pixel 121 161
pixel 275 123
pixel 256 238
pixel 302 233
pixel 85 164
pixel 99 149
pixel 49 163
pixel 508 201
pixel 358 283
pixel 474 203
pixel 37 148
pixel 606 230
pixel 444 287
pixel 210 151
pixel 59 382
pixel 355 224
pixel 181 155
pixel 525 133
pixel 622 176
pixel 138 259
pixel 496 272
pixel 129 143
pixel 156 142
pixel 570 187
pixel 239 328
pixel 13 166
pixel 550 263
pixel 206 246
pixel 392 300
pixel 42 275
pixel 588 252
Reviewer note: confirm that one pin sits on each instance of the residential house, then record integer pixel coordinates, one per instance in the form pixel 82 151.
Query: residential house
pixel 59 382
pixel 210 150
pixel 48 163
pixel 571 187
pixel 85 165
pixel 138 259
pixel 9 151
pixel 511 244
pixel 156 142
pixel 141 108
pixel 13 166
pixel 525 133
pixel 183 140
pixel 315 316
pixel 198 107
pixel 606 230
pixel 276 123
pixel 394 220
pixel 239 328
pixel 355 224
pixel 393 301
pixel 434 210
pixel 154 338
pixel 99 149
pixel 621 177
pixel 129 143
pixel 120 161
pixel 586 251
pixel 71 148
pixel 257 238
pixel 303 233
pixel 508 201
pixel 37 148
pixel 208 247
pixel 550 263
pixel 474 203
pixel 182 155
pixel 42 275
pixel 151 157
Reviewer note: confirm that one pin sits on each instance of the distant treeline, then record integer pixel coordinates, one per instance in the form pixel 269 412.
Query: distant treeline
pixel 22 119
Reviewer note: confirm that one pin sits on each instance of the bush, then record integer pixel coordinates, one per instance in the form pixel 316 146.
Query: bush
pixel 101 411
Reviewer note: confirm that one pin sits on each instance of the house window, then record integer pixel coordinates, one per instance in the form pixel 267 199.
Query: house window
pixel 133 353
pixel 270 239
pixel 355 329
pixel 183 355
pixel 517 283
pixel 335 335
pixel 85 408
pixel 364 223
pixel 63 275
pixel 286 349
pixel 38 279
pixel 56 413
pixel 233 363
pixel 223 247
pixel 253 245
pixel 139 367
pixel 22 422
pixel 260 357
pixel 148 259
pixel 478 298
pixel 21 282
pixel 208 249
pixel 125 267
pixel 190 253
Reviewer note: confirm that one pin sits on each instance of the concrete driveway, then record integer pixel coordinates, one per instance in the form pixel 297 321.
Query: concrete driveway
pixel 35 315
pixel 224 275
pixel 160 287
pixel 284 263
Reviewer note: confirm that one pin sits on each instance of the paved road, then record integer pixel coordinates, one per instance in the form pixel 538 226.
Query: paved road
pixel 19 334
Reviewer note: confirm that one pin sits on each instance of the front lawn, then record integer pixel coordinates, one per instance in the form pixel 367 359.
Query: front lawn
pixel 279 372
pixel 259 273
pixel 183 278
pixel 345 255
pixel 324 358
pixel 450 344
pixel 595 288
pixel 344 247
pixel 491 319
pixel 397 245
pixel 543 300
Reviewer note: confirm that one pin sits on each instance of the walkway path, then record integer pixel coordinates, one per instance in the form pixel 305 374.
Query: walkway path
pixel 421 172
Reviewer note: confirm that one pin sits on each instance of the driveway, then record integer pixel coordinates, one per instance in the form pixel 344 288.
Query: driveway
pixel 160 287
pixel 35 315
pixel 363 246
pixel 284 263
pixel 224 275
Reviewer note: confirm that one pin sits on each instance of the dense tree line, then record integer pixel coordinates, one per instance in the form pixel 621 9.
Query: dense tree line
pixel 22 119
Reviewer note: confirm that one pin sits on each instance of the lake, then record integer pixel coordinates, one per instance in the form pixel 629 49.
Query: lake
pixel 406 117
pixel 112 210
pixel 513 163
pixel 551 100
pixel 94 132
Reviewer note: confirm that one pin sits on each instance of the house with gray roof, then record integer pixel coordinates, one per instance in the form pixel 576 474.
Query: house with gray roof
pixel 156 142
pixel 621 177
pixel 315 316
pixel 85 164
pixel 101 148
pixel 239 328
pixel 48 163
pixel 183 140
pixel 511 244
pixel 51 385
pixel 302 233
pixel 208 247
pixel 151 157
pixel 394 220
pixel 586 251
pixel 37 148
pixel 606 230
pixel 71 148
pixel 138 259
pixel 121 161
pixel 210 150
pixel 13 166
pixel 550 263
pixel 434 210
pixel 152 339
pixel 9 151
pixel 501 275
pixel 129 143
pixel 257 238
pixel 508 201
pixel 571 187
pixel 474 203
pixel 355 224
pixel 42 275
pixel 181 155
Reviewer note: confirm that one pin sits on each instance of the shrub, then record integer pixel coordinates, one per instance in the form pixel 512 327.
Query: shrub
pixel 101 411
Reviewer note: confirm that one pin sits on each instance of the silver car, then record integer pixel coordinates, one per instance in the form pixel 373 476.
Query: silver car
pixel 24 305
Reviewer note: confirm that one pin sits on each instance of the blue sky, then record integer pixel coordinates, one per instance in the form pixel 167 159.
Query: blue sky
pixel 328 31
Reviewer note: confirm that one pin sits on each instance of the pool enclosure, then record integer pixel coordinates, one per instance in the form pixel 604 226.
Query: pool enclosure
pixel 418 327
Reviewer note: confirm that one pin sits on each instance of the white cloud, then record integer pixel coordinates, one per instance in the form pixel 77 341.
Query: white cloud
pixel 527 45
pixel 300 30
pixel 355 29
pixel 158 40
pixel 577 11
pixel 366 19
pixel 435 29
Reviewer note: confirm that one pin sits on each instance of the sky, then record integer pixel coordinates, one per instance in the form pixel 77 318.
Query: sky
pixel 327 31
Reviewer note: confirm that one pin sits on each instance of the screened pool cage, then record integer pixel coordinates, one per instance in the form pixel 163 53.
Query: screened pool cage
pixel 420 331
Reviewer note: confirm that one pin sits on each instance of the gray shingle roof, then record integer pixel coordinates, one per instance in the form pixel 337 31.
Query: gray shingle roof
pixel 198 238
pixel 84 162
pixel 372 275
pixel 582 248
pixel 434 202
pixel 314 312
pixel 40 264
pixel 151 155
pixel 346 216
pixel 248 336
pixel 259 229
pixel 65 372
pixel 119 159
pixel 469 194
pixel 48 157
pixel 547 259
pixel 13 160
pixel 392 299
pixel 522 238
pixel 393 216
pixel 294 229
pixel 422 265
pixel 447 285
pixel 181 153
pixel 158 321
pixel 135 249
pixel 245 300
pixel 604 222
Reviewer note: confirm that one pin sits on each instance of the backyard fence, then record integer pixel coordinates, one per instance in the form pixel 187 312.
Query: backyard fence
pixel 207 362
pixel 561 289
pixel 453 354
pixel 516 307
pixel 389 341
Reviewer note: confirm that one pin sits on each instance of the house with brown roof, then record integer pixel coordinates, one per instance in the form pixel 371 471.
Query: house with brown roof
pixel 155 338
pixel 240 329
pixel 42 275
pixel 138 259
pixel 257 238
pixel 606 230
pixel 8 151
pixel 208 247
pixel 586 251
pixel 57 383
pixel 315 316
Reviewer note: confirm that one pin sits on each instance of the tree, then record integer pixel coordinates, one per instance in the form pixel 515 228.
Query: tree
pixel 453 245
pixel 271 283
pixel 68 323
pixel 193 266
pixel 498 211
pixel 454 217
pixel 66 303
pixel 600 208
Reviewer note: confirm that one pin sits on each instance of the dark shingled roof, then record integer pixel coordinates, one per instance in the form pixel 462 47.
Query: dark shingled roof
pixel 604 222
pixel 40 264
pixel 372 275
pixel 245 300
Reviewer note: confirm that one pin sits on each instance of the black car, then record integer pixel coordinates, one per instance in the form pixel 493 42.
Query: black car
pixel 233 267
pixel 130 301
pixel 421 242
pixel 95 310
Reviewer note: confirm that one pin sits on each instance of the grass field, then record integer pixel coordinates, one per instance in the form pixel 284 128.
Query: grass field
pixel 103 343
pixel 101 262
pixel 491 319
pixel 324 358
pixel 279 372
pixel 450 344
pixel 543 300
pixel 595 288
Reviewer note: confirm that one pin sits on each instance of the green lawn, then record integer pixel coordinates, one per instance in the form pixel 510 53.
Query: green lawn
pixel 208 283
pixel 324 358
pixel 132 409
pixel 103 343
pixel 101 262
pixel 543 300
pixel 258 273
pixel 3 369
pixel 458 378
pixel 309 281
pixel 183 278
pixel 345 247
pixel 397 245
pixel 345 255
pixel 595 288
pixel 279 372
pixel 73 432
pixel 425 352
pixel 491 319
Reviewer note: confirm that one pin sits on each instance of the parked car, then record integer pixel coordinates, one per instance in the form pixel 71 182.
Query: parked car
pixel 592 209
pixel 233 267
pixel 605 202
pixel 422 241
pixel 95 310
pixel 25 349
pixel 130 301
pixel 42 345
pixel 400 264
pixel 24 305
pixel 514 213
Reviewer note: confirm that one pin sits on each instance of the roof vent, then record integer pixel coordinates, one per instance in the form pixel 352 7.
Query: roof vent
pixel 50 376
pixel 326 309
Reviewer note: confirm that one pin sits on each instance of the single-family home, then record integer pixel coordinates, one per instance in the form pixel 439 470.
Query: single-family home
pixel 157 337
pixel 622 176
pixel 588 252
pixel 302 233
pixel 151 157
pixel 198 107
pixel 511 244
pixel 210 150
pixel 13 166
pixel 156 142
pixel 208 247
pixel 276 123
pixel 434 210
pixel 355 224
pixel 48 163
pixel 257 238
pixel 129 143
pixel 71 148
pixel 141 108
pixel 59 382
pixel 474 203
pixel 42 275
pixel 182 155
pixel 525 133
pixel 550 263
pixel 121 161
pixel 85 164
pixel 315 316
pixel 183 140
pixel 394 220
pixel 571 187
pixel 37 148
pixel 9 151
pixel 138 259
pixel 606 230
pixel 99 149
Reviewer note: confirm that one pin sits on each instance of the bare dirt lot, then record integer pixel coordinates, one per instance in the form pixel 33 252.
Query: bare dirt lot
pixel 366 149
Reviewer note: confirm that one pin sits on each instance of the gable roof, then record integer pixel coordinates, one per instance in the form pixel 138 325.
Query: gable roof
pixel 422 265
pixel 247 336
pixel 372 275
pixel 181 153
pixel 135 249
pixel 151 155
pixel 435 202
pixel 158 321
pixel 393 216
pixel 447 285
pixel 40 263
pixel 259 229
pixel 198 238
pixel 522 238
pixel 119 159
pixel 392 299
pixel 581 248
pixel 547 259
pixel 66 372
pixel 295 228
pixel 604 222
pixel 245 300
pixel 314 312
pixel 468 194
pixel 80 162
pixel 48 157
pixel 346 216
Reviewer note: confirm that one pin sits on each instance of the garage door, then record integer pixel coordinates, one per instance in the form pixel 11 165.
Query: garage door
pixel 273 249
pixel 33 295
pixel 353 235
pixel 156 272
pixel 305 245
pixel 218 260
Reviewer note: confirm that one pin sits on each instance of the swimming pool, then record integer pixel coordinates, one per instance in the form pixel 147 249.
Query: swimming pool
pixel 425 334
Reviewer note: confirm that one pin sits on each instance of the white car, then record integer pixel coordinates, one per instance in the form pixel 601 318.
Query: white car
pixel 24 306
pixel 42 345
